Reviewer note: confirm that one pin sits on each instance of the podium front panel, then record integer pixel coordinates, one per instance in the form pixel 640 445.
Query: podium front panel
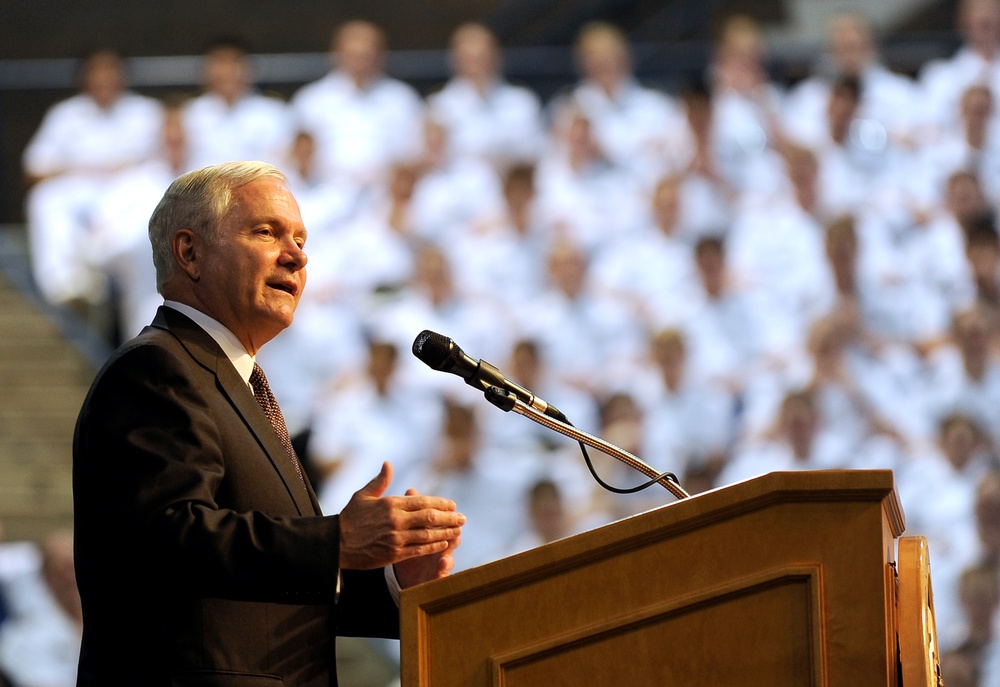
pixel 782 580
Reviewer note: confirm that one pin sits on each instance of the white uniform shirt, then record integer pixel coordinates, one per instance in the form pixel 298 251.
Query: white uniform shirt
pixel 360 132
pixel 254 128
pixel 504 124
pixel 636 127
pixel 77 135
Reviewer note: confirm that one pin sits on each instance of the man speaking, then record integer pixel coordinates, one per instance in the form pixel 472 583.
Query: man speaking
pixel 202 556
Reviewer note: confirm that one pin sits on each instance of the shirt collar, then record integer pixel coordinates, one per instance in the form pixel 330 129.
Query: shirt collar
pixel 231 346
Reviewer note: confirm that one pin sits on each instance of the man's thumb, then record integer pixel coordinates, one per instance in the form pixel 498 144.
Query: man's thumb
pixel 379 483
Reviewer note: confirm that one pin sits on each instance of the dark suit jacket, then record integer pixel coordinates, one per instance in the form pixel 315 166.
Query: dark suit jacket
pixel 201 558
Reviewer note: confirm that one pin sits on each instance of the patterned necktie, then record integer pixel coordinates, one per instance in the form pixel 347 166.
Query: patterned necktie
pixel 262 392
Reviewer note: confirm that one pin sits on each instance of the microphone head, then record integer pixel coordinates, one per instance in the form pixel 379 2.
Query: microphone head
pixel 434 350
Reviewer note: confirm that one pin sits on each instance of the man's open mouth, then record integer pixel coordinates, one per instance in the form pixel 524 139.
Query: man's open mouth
pixel 287 288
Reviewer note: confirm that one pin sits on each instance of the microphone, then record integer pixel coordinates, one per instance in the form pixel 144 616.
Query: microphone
pixel 439 352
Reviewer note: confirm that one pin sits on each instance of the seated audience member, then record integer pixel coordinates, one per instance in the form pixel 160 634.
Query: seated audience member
pixel 40 644
pixel 937 488
pixel 326 204
pixel 371 250
pixel 588 197
pixel 860 168
pixel 364 422
pixel 505 249
pixel 119 242
pixel 794 443
pixel 977 61
pixel 485 116
pixel 634 127
pixel 887 99
pixel 746 108
pixel 980 601
pixel 547 517
pixel 230 120
pixel 583 333
pixel 364 122
pixel 652 269
pixel 964 375
pixel 690 425
pixel 451 192
pixel 908 303
pixel 429 300
pixel 707 197
pixel 77 150
pixel 488 490
pixel 982 254
pixel 732 336
pixel 970 147
pixel 777 248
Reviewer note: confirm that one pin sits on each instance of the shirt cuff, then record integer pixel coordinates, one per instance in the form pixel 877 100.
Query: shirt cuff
pixel 392 583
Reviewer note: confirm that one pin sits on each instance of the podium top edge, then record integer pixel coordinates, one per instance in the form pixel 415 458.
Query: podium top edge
pixel 721 503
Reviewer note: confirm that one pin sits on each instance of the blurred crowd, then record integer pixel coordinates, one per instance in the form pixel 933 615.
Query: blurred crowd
pixel 737 278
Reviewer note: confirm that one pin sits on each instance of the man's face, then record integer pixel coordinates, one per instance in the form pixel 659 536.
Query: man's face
pixel 253 273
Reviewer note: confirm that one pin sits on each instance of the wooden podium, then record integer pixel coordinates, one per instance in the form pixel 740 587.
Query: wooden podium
pixel 785 580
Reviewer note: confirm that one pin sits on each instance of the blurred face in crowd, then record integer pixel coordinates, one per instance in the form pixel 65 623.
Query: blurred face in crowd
pixel 103 78
pixel 475 54
pixel 711 268
pixel 851 45
pixel 977 111
pixel 959 440
pixel 174 139
pixel 525 365
pixel 251 275
pixel 227 72
pixel 972 334
pixel 381 365
pixel 303 154
pixel 667 205
pixel 979 23
pixel 548 517
pixel 799 424
pixel 669 356
pixel 567 269
pixel 358 51
pixel 964 197
pixel 602 54
pixel 988 514
pixel 840 111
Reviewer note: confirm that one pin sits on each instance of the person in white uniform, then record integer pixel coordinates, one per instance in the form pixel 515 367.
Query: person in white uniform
pixel 977 62
pixel 230 120
pixel 634 126
pixel 486 117
pixel 363 120
pixel 887 100
pixel 81 144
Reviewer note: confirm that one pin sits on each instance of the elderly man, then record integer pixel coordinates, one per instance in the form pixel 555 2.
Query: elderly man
pixel 202 555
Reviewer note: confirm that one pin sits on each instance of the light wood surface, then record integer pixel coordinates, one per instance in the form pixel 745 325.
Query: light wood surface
pixel 784 580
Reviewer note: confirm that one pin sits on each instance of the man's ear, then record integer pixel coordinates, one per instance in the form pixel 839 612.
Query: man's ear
pixel 187 250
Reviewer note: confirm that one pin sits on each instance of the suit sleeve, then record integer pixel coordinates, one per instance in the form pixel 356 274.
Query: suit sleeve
pixel 161 476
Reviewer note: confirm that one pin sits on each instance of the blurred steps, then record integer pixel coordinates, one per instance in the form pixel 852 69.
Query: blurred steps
pixel 44 377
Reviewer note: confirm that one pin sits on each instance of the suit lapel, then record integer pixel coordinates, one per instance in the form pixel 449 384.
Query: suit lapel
pixel 207 353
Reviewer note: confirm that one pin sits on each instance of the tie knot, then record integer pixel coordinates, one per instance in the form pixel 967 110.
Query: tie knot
pixel 258 381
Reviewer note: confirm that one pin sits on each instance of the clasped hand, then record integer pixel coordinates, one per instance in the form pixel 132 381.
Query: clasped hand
pixel 417 534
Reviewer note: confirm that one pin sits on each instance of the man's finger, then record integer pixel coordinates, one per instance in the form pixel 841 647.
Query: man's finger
pixel 377 486
pixel 413 502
